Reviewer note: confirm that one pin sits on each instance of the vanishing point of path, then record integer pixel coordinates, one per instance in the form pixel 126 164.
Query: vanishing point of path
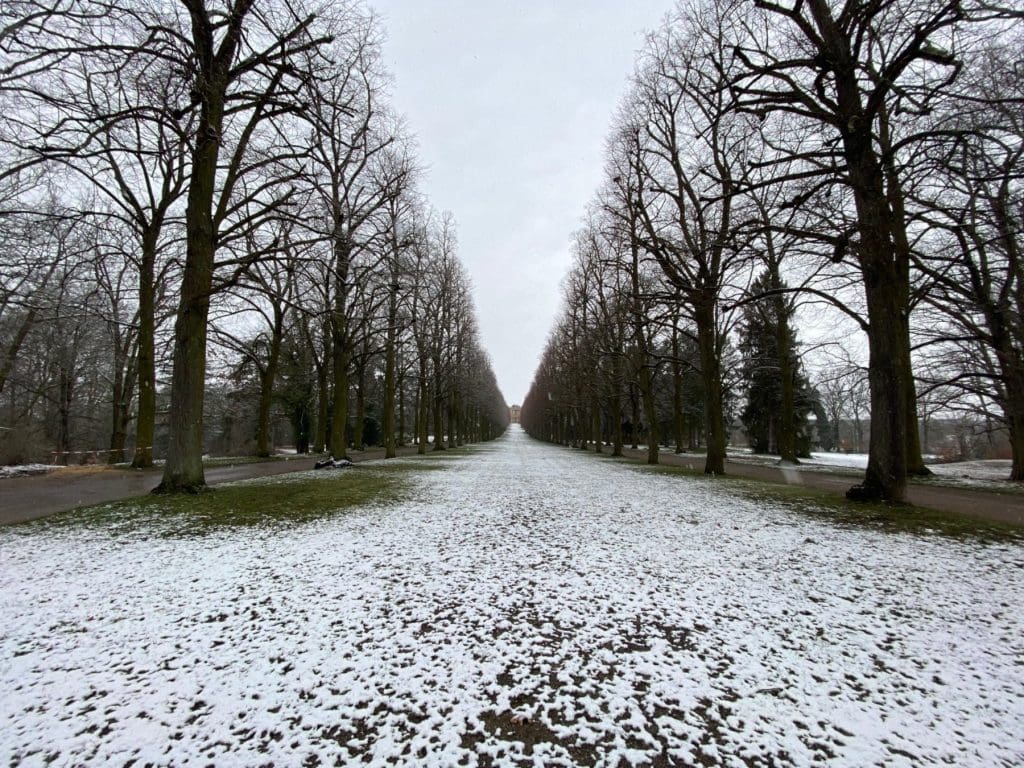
pixel 36 496
pixel 525 605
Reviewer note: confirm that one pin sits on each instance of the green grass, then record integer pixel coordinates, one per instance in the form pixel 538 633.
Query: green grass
pixel 281 500
pixel 829 507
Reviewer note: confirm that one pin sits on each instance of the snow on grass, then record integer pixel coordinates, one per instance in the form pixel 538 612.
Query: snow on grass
pixel 20 470
pixel 992 469
pixel 855 460
pixel 990 474
pixel 527 605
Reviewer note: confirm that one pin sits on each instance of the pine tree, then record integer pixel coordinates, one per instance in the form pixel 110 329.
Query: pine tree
pixel 766 325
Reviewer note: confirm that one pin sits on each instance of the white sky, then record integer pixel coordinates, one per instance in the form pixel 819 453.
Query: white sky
pixel 511 103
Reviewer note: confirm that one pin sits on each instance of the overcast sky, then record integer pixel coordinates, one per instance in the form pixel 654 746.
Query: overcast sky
pixel 511 103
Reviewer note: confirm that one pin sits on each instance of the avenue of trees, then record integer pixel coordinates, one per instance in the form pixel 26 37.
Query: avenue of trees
pixel 209 225
pixel 772 156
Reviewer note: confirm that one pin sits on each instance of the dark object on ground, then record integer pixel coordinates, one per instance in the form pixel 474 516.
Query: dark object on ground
pixel 863 493
pixel 332 463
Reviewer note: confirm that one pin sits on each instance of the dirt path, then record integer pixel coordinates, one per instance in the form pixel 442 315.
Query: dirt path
pixel 982 504
pixel 29 498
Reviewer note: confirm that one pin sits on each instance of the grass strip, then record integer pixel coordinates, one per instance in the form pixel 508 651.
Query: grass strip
pixel 827 506
pixel 279 500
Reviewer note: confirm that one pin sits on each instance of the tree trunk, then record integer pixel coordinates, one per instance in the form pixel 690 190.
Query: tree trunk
pixel 421 411
pixel 145 424
pixel 1011 368
pixel 267 378
pixel 634 403
pixel 786 434
pixel 677 388
pixel 341 351
pixel 359 428
pixel 616 406
pixel 898 217
pixel 65 394
pixel 389 373
pixel 1015 422
pixel 124 376
pixel 886 476
pixel 451 421
pixel 301 427
pixel 401 412
pixel 322 398
pixel 650 416
pixel 711 376
pixel 322 405
pixel 183 470
pixel 438 410
pixel 885 293
pixel 339 413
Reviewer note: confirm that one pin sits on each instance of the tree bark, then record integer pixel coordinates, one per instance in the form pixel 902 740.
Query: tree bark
pixel 267 378
pixel 145 424
pixel 787 385
pixel 886 475
pixel 438 409
pixel 677 387
pixel 885 293
pixel 422 419
pixel 710 369
pixel 616 405
pixel 341 351
pixel 322 396
pixel 183 470
pixel 359 428
pixel 389 374
pixel 401 411
pixel 121 401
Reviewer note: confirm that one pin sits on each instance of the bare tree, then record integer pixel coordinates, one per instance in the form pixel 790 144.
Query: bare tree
pixel 242 65
pixel 847 73
pixel 688 166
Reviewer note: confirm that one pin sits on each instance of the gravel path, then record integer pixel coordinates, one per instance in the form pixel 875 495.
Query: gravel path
pixel 527 606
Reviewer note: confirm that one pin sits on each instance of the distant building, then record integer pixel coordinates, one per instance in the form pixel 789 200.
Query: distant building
pixel 513 413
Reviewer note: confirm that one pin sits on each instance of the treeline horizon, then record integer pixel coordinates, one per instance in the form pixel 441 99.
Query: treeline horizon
pixel 768 157
pixel 186 184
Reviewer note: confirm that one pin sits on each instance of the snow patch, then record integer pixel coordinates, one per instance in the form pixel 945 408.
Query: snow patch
pixel 528 605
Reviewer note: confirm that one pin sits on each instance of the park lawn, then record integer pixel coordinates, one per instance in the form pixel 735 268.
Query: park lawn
pixel 835 509
pixel 289 499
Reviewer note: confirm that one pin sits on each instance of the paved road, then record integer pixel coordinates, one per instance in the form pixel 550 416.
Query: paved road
pixel 998 506
pixel 28 498
pixel 522 605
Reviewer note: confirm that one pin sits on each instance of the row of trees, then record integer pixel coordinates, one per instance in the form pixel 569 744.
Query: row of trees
pixel 186 183
pixel 864 155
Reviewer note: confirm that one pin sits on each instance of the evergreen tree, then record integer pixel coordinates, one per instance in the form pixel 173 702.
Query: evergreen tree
pixel 761 371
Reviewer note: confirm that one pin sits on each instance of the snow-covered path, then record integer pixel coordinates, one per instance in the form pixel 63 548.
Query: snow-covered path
pixel 528 606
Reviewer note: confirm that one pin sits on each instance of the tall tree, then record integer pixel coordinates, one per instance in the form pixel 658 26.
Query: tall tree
pixel 242 68
pixel 689 163
pixel 847 72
